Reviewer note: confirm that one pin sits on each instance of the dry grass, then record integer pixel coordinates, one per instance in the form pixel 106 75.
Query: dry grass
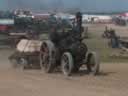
pixel 100 45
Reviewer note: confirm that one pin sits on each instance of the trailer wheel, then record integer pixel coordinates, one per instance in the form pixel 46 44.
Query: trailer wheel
pixel 14 63
pixel 47 57
pixel 93 64
pixel 22 63
pixel 19 63
pixel 67 63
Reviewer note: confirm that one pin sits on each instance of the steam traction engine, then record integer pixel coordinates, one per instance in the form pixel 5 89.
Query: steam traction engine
pixel 67 50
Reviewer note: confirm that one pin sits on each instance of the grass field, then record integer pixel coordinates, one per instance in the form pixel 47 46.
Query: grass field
pixel 100 45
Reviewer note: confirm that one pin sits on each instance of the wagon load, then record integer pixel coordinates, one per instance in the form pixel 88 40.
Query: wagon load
pixel 26 54
pixel 29 46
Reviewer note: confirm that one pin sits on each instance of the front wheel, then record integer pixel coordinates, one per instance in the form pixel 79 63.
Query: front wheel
pixel 67 63
pixel 93 64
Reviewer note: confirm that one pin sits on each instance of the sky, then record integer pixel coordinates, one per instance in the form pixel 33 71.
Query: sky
pixel 84 5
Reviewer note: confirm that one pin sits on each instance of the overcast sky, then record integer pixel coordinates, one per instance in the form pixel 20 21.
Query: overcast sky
pixel 85 5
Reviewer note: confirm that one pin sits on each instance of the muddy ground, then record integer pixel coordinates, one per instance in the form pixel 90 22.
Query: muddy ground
pixel 112 81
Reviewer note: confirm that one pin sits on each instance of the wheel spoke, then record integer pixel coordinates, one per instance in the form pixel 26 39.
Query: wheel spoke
pixel 66 60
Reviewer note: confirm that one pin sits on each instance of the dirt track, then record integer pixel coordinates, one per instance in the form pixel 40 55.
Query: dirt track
pixel 113 81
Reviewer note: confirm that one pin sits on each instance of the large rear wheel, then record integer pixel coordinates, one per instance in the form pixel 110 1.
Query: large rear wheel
pixel 47 57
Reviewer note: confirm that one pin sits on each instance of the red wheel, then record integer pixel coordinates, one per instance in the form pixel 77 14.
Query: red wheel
pixel 47 57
